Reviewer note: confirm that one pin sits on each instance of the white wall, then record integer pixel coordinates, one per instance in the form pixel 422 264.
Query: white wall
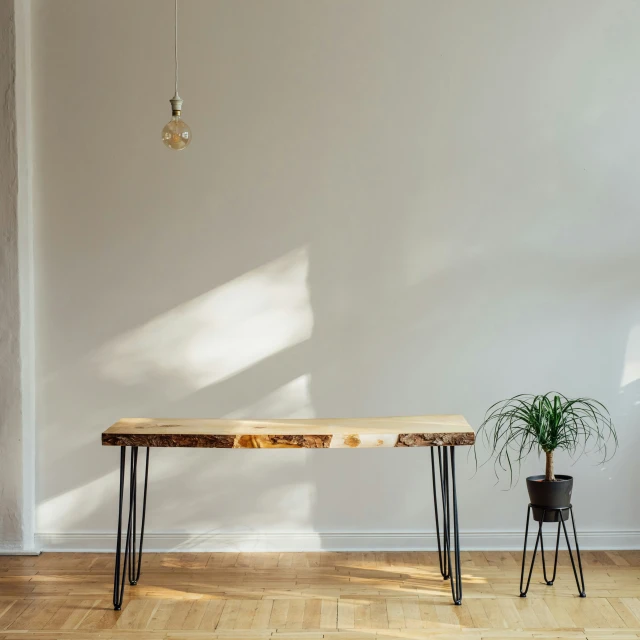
pixel 389 207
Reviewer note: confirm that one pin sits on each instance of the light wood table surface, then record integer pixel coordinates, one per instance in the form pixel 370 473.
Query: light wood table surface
pixel 316 433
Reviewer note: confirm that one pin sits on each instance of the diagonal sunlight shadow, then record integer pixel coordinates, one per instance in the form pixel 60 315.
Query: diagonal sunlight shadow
pixel 220 333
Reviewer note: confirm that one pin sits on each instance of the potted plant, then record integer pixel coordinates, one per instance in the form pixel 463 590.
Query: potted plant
pixel 515 427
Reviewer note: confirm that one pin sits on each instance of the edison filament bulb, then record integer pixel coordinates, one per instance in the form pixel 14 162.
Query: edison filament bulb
pixel 176 134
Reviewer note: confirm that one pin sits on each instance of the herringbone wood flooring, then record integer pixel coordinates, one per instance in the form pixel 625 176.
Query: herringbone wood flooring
pixel 355 596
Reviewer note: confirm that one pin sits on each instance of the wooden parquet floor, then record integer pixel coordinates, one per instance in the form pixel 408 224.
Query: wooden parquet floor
pixel 355 596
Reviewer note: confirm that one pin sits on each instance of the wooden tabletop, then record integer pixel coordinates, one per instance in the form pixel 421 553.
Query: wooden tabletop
pixel 316 433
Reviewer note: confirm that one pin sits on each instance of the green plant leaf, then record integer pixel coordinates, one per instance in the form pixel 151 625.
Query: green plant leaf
pixel 514 427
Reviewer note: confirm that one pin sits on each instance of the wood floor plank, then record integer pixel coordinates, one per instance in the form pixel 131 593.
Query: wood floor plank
pixel 229 615
pixel 411 613
pixel 71 614
pixel 329 614
pixel 478 613
pixel 295 614
pixel 37 615
pixel 312 614
pixel 279 613
pixel 543 613
pixel 246 612
pixel 428 614
pixel 211 615
pixel 346 614
pixel 195 615
pixel 13 611
pixel 624 612
pixel 159 619
pixel 395 614
pixel 378 615
pixel 178 614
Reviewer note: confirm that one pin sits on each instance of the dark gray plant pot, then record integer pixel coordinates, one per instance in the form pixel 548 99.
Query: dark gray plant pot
pixel 550 494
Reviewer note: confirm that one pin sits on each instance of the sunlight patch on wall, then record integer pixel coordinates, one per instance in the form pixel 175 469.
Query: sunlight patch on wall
pixel 631 371
pixel 303 495
pixel 292 400
pixel 220 333
pixel 65 511
pixel 421 265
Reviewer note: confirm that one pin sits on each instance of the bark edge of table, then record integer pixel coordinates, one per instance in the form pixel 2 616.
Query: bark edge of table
pixel 265 440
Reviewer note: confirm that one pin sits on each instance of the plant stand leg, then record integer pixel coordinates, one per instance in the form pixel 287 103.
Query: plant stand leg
pixel 579 583
pixel 442 555
pixel 128 565
pixel 555 563
pixel 523 594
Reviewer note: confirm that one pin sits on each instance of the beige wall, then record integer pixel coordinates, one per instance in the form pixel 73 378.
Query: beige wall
pixel 389 207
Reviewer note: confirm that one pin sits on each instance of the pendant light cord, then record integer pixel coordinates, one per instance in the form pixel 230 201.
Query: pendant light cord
pixel 176 45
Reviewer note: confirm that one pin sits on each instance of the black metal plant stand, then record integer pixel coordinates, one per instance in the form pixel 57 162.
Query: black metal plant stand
pixel 130 542
pixel 444 548
pixel 559 511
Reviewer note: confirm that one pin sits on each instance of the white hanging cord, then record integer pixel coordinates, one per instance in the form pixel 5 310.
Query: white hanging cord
pixel 176 45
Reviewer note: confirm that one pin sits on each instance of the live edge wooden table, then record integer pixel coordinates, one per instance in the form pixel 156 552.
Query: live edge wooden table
pixel 441 433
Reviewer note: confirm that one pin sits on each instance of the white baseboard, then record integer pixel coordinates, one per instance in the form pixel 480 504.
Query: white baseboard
pixel 283 542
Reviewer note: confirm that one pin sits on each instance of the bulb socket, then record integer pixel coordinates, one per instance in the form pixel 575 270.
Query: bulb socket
pixel 176 105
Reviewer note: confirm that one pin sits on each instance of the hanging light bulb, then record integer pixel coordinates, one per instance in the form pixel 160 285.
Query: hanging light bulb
pixel 176 134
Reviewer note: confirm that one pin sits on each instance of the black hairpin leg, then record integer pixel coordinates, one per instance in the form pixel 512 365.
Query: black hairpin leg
pixel 579 584
pixel 442 557
pixel 523 594
pixel 539 539
pixel 555 562
pixel 448 571
pixel 129 563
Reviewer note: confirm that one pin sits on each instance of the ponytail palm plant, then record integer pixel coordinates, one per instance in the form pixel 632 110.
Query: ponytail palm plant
pixel 515 427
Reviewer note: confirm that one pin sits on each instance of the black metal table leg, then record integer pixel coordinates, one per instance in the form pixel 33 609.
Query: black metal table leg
pixel 447 569
pixel 456 584
pixel 118 588
pixel 144 515
pixel 442 557
pixel 129 565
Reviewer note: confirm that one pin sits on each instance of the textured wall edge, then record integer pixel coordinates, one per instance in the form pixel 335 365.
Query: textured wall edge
pixel 26 263
pixel 11 498
pixel 17 353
